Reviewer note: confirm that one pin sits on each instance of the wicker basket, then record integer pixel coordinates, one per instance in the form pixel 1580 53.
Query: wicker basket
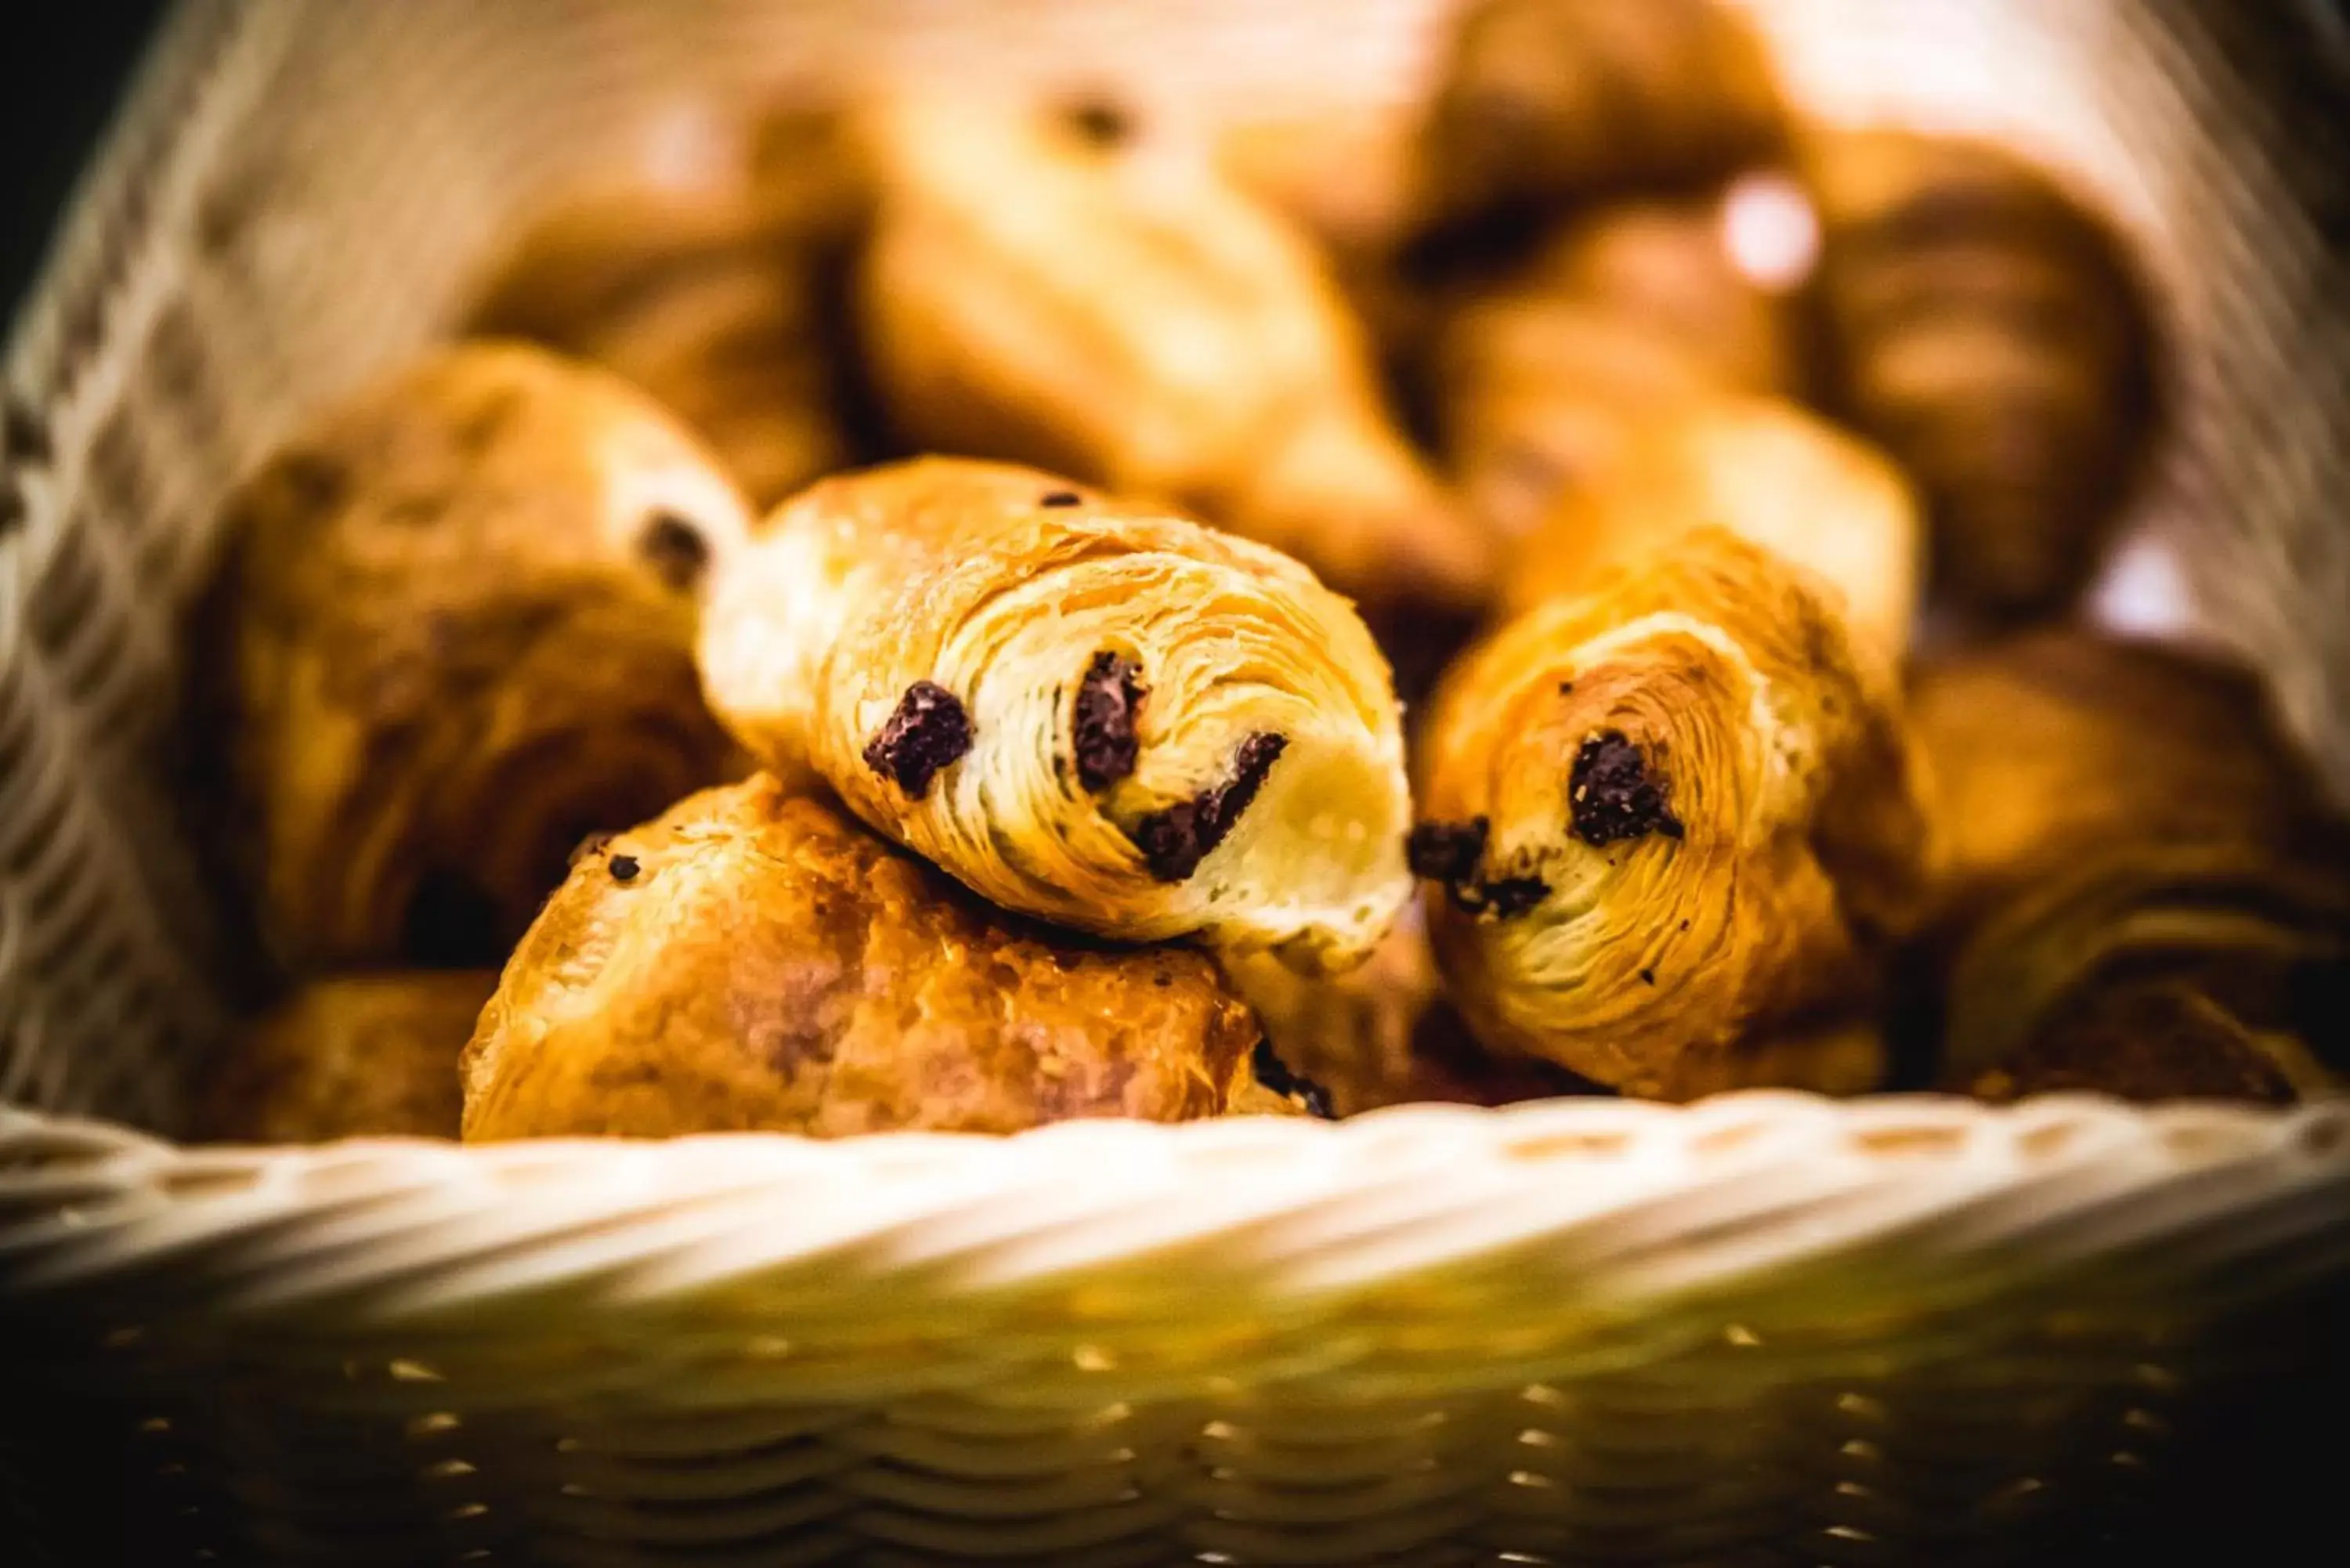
pixel 1766 1329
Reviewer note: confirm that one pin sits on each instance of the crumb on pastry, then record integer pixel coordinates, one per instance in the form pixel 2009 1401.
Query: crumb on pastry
pixel 623 868
pixel 1504 897
pixel 1612 797
pixel 1174 841
pixel 1278 1076
pixel 929 731
pixel 1107 699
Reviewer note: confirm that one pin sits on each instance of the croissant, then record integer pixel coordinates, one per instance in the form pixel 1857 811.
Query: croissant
pixel 1347 176
pixel 1135 320
pixel 756 962
pixel 1990 332
pixel 454 633
pixel 1767 470
pixel 711 294
pixel 1543 376
pixel 354 1056
pixel 2145 890
pixel 1383 1034
pixel 1674 821
pixel 1543 101
pixel 1087 709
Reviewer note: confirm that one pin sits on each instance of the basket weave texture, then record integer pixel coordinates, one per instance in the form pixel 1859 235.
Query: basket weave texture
pixel 1766 1329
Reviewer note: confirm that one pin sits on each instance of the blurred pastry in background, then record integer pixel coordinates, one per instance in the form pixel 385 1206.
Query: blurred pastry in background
pixel 364 1055
pixel 1770 472
pixel 1541 103
pixel 754 961
pixel 718 293
pixel 1124 314
pixel 1990 332
pixel 1088 709
pixel 2145 890
pixel 1542 377
pixel 1672 822
pixel 1347 175
pixel 454 634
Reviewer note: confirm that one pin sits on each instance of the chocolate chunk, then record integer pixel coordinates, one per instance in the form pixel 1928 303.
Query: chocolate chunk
pixel 1101 121
pixel 1277 1075
pixel 1504 897
pixel 1647 976
pixel 1447 852
pixel 1611 796
pixel 1107 699
pixel 927 730
pixel 1174 841
pixel 623 868
pixel 1061 498
pixel 676 550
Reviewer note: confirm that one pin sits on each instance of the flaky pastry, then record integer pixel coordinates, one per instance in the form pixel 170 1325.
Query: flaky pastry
pixel 1672 821
pixel 1088 710
pixel 1543 101
pixel 756 962
pixel 1544 375
pixel 1764 469
pixel 707 295
pixel 454 634
pixel 2135 850
pixel 368 1055
pixel 1137 320
pixel 1990 332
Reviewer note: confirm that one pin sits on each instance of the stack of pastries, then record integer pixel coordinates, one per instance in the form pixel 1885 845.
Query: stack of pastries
pixel 902 629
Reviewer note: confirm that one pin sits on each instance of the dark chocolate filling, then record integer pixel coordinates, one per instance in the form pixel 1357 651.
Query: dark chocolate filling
pixel 929 731
pixel 1504 897
pixel 1277 1075
pixel 1107 699
pixel 1447 852
pixel 675 550
pixel 1174 841
pixel 1611 796
pixel 1060 498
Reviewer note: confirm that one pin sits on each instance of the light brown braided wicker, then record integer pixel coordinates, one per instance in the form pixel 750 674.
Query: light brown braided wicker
pixel 1768 1329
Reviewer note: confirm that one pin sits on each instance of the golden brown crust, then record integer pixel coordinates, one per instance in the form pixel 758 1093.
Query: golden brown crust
pixel 1138 321
pixel 358 1056
pixel 453 634
pixel 1991 332
pixel 708 293
pixel 1383 1034
pixel 752 960
pixel 925 636
pixel 1769 471
pixel 1685 818
pixel 2135 851
pixel 1542 101
pixel 1544 377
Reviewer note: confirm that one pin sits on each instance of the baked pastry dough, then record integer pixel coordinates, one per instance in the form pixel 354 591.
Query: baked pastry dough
pixel 1672 821
pixel 1767 470
pixel 454 633
pixel 1385 1034
pixel 1989 331
pixel 702 297
pixel 1135 320
pixel 1085 709
pixel 755 962
pixel 1543 376
pixel 1543 101
pixel 2144 891
pixel 362 1056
